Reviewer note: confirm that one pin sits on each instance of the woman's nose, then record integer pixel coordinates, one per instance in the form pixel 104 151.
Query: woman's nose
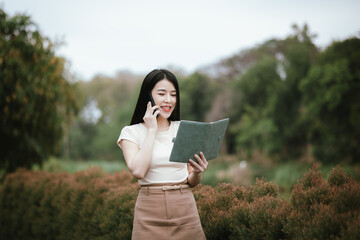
pixel 168 98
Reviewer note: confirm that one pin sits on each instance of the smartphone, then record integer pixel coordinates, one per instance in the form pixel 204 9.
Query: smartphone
pixel 152 102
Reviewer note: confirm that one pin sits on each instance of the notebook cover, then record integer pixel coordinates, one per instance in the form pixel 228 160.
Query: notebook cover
pixel 194 137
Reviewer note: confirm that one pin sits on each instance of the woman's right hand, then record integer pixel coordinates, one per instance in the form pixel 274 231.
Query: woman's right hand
pixel 150 116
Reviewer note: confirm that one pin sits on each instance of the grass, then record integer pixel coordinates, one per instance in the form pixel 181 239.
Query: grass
pixel 286 174
pixel 211 175
pixel 65 165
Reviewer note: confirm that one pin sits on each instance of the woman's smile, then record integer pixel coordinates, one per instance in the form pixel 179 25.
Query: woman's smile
pixel 166 108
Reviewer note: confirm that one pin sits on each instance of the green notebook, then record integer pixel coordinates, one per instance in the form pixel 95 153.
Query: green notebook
pixel 194 137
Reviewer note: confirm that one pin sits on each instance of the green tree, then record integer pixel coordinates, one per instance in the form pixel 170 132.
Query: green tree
pixel 256 129
pixel 332 102
pixel 267 107
pixel 36 101
pixel 106 105
pixel 196 93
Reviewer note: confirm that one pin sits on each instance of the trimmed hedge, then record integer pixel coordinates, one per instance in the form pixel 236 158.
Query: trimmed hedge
pixel 86 205
pixel 94 205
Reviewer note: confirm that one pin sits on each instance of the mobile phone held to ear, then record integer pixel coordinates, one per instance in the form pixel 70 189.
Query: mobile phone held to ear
pixel 152 103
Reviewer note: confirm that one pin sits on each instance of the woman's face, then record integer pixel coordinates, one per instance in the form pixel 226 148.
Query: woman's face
pixel 164 95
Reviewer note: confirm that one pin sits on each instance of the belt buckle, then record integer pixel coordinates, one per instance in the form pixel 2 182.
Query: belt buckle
pixel 166 188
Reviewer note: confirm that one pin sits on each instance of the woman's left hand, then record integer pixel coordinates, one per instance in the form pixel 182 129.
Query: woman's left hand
pixel 202 164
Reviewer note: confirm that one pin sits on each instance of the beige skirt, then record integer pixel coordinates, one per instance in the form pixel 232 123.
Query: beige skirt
pixel 166 214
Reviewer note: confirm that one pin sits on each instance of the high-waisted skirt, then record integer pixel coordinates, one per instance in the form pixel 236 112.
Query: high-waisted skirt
pixel 166 214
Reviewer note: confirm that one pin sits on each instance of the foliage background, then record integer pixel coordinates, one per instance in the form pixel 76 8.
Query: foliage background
pixel 36 100
pixel 95 205
pixel 288 101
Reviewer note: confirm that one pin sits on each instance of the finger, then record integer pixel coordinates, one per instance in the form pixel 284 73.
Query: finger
pixel 204 158
pixel 197 168
pixel 148 107
pixel 202 161
pixel 199 159
pixel 157 112
pixel 155 108
pixel 149 114
pixel 151 109
pixel 193 163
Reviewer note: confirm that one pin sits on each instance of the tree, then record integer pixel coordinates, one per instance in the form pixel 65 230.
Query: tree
pixel 332 103
pixel 256 129
pixel 36 101
pixel 267 107
pixel 106 104
pixel 196 93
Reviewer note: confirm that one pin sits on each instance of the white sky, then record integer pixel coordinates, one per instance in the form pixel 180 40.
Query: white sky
pixel 106 36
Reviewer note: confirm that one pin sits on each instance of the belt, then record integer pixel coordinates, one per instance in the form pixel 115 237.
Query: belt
pixel 166 187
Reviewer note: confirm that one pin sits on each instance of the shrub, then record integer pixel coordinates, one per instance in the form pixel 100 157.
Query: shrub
pixel 233 212
pixel 214 206
pixel 94 205
pixel 324 209
pixel 262 218
pixel 86 205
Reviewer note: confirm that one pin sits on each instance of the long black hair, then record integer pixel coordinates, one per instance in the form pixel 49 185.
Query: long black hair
pixel 148 84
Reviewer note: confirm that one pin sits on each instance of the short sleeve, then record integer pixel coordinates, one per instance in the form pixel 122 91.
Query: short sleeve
pixel 128 133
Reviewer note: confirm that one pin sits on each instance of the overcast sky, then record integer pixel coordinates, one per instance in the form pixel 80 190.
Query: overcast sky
pixel 106 36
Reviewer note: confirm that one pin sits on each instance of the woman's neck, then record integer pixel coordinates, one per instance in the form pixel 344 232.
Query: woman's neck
pixel 163 124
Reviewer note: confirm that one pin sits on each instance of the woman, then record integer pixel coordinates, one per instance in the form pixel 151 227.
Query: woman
pixel 165 207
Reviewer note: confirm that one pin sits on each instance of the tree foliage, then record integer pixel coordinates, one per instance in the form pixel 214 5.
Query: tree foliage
pixel 332 102
pixel 196 96
pixel 112 100
pixel 267 110
pixel 284 97
pixel 36 101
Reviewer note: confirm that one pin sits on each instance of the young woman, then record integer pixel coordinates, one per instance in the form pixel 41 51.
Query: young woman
pixel 165 207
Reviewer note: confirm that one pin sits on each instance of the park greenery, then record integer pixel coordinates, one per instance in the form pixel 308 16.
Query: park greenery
pixel 37 101
pixel 291 104
pixel 93 204
pixel 288 100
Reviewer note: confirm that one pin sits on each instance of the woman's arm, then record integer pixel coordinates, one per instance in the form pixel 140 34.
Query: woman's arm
pixel 196 169
pixel 138 159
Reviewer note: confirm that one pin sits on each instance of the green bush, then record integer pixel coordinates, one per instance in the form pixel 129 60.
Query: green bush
pixel 234 212
pixel 94 205
pixel 318 209
pixel 86 205
pixel 325 209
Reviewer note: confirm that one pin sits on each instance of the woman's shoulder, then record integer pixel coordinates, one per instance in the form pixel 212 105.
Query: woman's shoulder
pixel 175 125
pixel 134 132
pixel 139 127
pixel 135 128
pixel 175 122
